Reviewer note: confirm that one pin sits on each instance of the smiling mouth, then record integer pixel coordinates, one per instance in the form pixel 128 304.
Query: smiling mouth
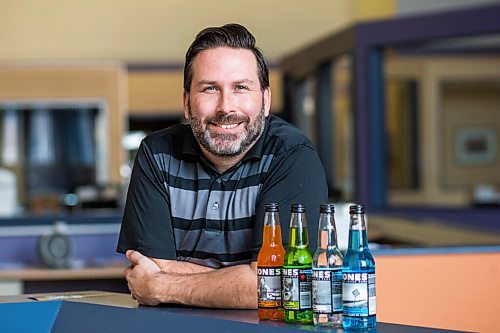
pixel 226 126
pixel 226 123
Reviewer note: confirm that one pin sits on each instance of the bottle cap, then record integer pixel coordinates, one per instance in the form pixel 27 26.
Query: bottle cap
pixel 298 208
pixel 327 208
pixel 271 207
pixel 357 209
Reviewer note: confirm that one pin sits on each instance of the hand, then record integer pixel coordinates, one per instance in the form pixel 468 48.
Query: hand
pixel 141 276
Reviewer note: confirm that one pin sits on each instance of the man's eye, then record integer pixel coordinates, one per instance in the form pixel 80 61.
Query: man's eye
pixel 210 88
pixel 241 87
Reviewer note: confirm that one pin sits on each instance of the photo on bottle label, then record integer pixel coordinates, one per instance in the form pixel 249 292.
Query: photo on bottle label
pixel 355 297
pixel 322 299
pixel 269 288
pixel 290 289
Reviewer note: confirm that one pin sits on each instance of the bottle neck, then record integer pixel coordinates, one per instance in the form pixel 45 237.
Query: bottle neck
pixel 357 232
pixel 327 235
pixel 272 229
pixel 298 230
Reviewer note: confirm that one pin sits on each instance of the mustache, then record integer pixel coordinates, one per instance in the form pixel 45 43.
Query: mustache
pixel 224 119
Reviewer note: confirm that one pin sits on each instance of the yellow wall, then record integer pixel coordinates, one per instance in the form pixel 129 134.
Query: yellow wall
pixel 155 92
pixel 369 9
pixel 471 104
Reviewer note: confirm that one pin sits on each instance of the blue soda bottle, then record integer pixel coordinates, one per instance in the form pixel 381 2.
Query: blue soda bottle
pixel 358 276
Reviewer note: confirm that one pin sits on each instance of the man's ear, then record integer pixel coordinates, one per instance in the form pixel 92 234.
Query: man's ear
pixel 267 101
pixel 185 102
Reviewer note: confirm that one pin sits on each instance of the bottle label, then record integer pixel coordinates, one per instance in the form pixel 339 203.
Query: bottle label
pixel 358 293
pixel 269 289
pixel 327 290
pixel 297 289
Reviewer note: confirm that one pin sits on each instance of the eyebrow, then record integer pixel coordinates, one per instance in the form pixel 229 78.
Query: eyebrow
pixel 244 81
pixel 205 82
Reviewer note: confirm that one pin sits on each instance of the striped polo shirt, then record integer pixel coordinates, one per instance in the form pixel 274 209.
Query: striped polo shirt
pixel 180 207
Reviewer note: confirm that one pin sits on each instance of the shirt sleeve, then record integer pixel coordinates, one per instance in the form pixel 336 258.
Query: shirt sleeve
pixel 295 176
pixel 146 225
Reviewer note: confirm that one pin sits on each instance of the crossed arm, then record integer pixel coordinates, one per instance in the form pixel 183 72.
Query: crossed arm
pixel 153 281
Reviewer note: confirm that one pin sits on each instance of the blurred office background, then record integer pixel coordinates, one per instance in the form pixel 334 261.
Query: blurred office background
pixel 401 98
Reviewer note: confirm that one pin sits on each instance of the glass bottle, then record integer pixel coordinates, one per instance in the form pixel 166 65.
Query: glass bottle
pixel 327 272
pixel 297 271
pixel 358 276
pixel 269 265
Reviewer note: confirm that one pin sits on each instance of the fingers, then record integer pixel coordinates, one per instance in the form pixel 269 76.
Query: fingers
pixel 134 256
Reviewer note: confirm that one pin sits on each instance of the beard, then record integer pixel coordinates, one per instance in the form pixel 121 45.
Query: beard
pixel 227 144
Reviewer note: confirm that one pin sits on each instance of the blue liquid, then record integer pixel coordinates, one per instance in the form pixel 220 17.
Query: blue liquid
pixel 355 323
pixel 358 259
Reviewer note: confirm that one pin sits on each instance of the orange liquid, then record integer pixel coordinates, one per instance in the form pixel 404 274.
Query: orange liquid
pixel 271 255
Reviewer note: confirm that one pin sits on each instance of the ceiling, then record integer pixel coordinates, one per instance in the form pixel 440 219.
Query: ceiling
pixel 161 31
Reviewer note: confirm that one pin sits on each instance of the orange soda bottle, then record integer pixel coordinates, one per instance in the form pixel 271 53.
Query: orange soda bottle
pixel 269 266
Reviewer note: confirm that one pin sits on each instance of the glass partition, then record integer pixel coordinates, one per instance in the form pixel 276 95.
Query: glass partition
pixel 342 127
pixel 443 128
pixel 49 150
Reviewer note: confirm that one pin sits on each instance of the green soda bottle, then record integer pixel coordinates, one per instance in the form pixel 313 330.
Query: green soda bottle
pixel 297 271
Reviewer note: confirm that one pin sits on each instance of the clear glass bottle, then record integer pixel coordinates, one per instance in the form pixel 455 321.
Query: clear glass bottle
pixel 327 272
pixel 269 266
pixel 297 271
pixel 358 276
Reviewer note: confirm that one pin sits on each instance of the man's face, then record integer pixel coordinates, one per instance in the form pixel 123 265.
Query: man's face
pixel 226 105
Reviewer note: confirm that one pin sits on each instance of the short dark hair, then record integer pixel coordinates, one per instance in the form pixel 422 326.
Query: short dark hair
pixel 230 35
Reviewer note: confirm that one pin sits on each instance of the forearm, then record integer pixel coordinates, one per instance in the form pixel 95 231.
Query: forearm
pixel 233 287
pixel 180 267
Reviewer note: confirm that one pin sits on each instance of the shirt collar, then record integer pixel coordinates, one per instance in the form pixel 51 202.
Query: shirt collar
pixel 191 146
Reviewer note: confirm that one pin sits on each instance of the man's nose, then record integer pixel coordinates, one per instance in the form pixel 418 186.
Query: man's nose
pixel 226 102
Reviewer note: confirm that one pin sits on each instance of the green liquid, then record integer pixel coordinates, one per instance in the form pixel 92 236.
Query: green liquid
pixel 299 257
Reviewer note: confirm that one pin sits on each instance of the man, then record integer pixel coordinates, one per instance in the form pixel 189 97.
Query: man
pixel 192 226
